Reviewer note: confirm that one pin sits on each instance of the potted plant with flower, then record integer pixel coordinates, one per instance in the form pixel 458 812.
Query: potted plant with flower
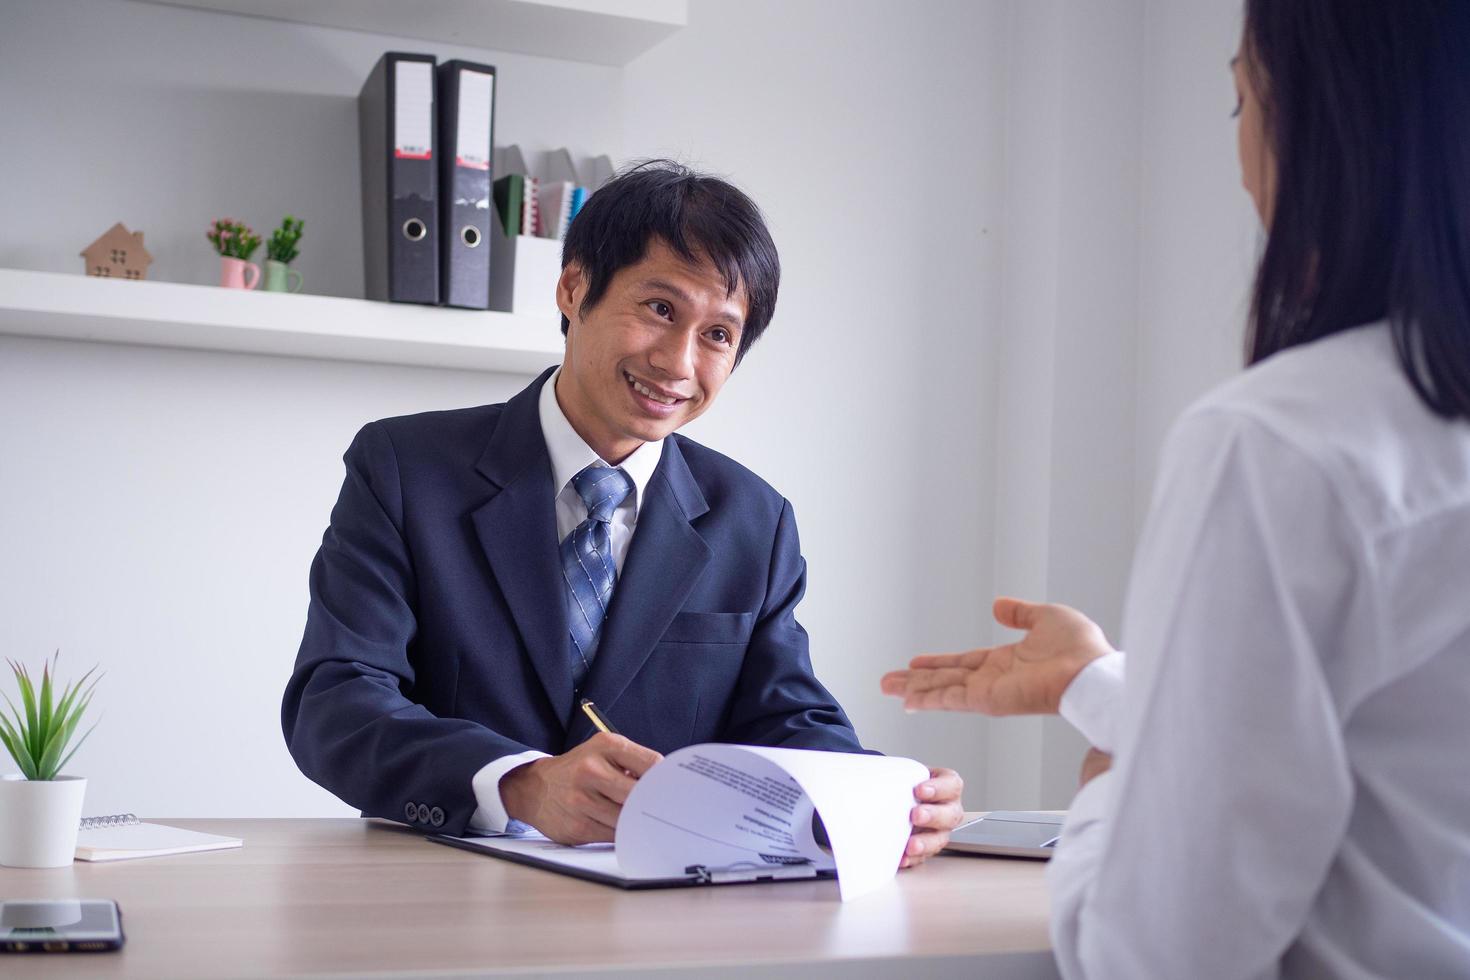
pixel 280 250
pixel 235 243
pixel 40 809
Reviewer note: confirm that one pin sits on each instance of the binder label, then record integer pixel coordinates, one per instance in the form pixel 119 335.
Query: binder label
pixel 413 110
pixel 476 96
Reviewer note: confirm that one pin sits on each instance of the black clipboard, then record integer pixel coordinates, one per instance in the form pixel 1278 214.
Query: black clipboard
pixel 523 851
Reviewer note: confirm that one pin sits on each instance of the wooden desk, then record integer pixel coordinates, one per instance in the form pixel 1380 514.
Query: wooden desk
pixel 358 898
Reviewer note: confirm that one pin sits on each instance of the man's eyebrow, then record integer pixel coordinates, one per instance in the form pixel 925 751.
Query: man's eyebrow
pixel 664 286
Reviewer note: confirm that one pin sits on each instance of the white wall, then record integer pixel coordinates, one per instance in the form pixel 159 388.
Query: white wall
pixel 1065 390
pixel 1014 248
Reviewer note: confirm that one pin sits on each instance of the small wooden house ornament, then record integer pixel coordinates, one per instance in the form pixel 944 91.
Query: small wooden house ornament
pixel 118 254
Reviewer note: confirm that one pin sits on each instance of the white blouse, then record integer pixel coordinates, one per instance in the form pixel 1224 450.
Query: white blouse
pixel 1290 793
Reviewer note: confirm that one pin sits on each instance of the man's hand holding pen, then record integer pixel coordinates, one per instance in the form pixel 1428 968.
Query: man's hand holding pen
pixel 575 798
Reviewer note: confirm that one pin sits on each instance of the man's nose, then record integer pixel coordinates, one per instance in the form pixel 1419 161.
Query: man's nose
pixel 674 353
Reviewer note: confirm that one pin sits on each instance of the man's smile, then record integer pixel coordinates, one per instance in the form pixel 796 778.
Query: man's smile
pixel 652 392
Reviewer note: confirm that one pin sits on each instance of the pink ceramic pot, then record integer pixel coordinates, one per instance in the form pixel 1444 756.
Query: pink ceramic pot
pixel 238 274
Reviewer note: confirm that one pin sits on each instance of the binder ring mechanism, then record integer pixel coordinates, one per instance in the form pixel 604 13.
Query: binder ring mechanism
pixel 470 235
pixel 414 229
pixel 749 871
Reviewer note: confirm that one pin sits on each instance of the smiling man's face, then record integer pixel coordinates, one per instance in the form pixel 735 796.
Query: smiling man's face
pixel 651 355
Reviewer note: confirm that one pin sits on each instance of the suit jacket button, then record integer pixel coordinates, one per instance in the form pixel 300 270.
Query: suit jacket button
pixel 423 813
pixel 436 817
pixel 411 812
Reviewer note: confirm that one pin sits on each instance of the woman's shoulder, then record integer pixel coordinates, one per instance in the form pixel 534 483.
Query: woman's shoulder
pixel 1344 406
pixel 1336 377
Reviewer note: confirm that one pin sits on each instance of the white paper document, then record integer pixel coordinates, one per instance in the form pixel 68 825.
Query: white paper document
pixel 727 813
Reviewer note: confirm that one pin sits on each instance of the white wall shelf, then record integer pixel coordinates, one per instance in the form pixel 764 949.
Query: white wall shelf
pixel 161 314
pixel 604 32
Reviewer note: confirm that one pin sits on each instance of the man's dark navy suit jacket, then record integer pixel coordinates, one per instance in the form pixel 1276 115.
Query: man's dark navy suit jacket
pixel 437 640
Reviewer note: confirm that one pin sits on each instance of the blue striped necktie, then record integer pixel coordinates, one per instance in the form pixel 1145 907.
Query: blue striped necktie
pixel 587 562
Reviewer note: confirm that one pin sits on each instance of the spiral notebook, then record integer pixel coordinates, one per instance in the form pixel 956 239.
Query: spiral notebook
pixel 122 836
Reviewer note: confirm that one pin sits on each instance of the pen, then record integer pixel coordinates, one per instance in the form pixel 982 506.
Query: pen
pixel 598 718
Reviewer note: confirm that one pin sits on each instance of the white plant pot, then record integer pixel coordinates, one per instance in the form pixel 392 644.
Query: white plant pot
pixel 39 820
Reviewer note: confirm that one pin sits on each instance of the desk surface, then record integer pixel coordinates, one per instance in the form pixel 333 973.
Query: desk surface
pixel 360 898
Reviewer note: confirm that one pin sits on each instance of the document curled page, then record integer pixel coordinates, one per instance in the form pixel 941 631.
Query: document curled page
pixel 734 808
pixel 723 814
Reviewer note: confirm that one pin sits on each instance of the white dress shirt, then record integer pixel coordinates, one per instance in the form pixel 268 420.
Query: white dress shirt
pixel 569 454
pixel 1290 791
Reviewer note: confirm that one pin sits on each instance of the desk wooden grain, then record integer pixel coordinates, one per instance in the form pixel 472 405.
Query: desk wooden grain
pixel 343 897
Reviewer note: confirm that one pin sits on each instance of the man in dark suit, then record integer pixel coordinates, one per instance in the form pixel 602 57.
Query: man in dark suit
pixel 488 568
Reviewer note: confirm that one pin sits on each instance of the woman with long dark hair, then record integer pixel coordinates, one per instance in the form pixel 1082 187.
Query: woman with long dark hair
pixel 1280 779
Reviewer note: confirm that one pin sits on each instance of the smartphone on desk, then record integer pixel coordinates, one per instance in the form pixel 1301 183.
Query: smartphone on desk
pixel 51 925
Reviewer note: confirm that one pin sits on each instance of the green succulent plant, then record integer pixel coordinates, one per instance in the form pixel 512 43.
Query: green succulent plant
pixel 37 737
pixel 282 246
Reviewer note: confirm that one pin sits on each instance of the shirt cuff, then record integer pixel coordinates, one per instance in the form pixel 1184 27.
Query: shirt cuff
pixel 490 816
pixel 1094 698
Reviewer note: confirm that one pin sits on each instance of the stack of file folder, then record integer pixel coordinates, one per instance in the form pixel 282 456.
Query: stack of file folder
pixel 426 132
pixel 434 217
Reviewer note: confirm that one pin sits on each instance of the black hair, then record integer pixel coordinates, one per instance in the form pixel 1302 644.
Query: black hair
pixel 700 217
pixel 1367 113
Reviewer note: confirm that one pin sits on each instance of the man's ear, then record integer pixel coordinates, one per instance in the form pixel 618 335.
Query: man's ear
pixel 570 288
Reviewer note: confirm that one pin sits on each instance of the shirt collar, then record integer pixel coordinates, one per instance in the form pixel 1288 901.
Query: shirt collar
pixel 570 454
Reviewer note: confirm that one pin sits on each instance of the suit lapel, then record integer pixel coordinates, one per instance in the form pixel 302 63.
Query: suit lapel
pixel 517 530
pixel 664 562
